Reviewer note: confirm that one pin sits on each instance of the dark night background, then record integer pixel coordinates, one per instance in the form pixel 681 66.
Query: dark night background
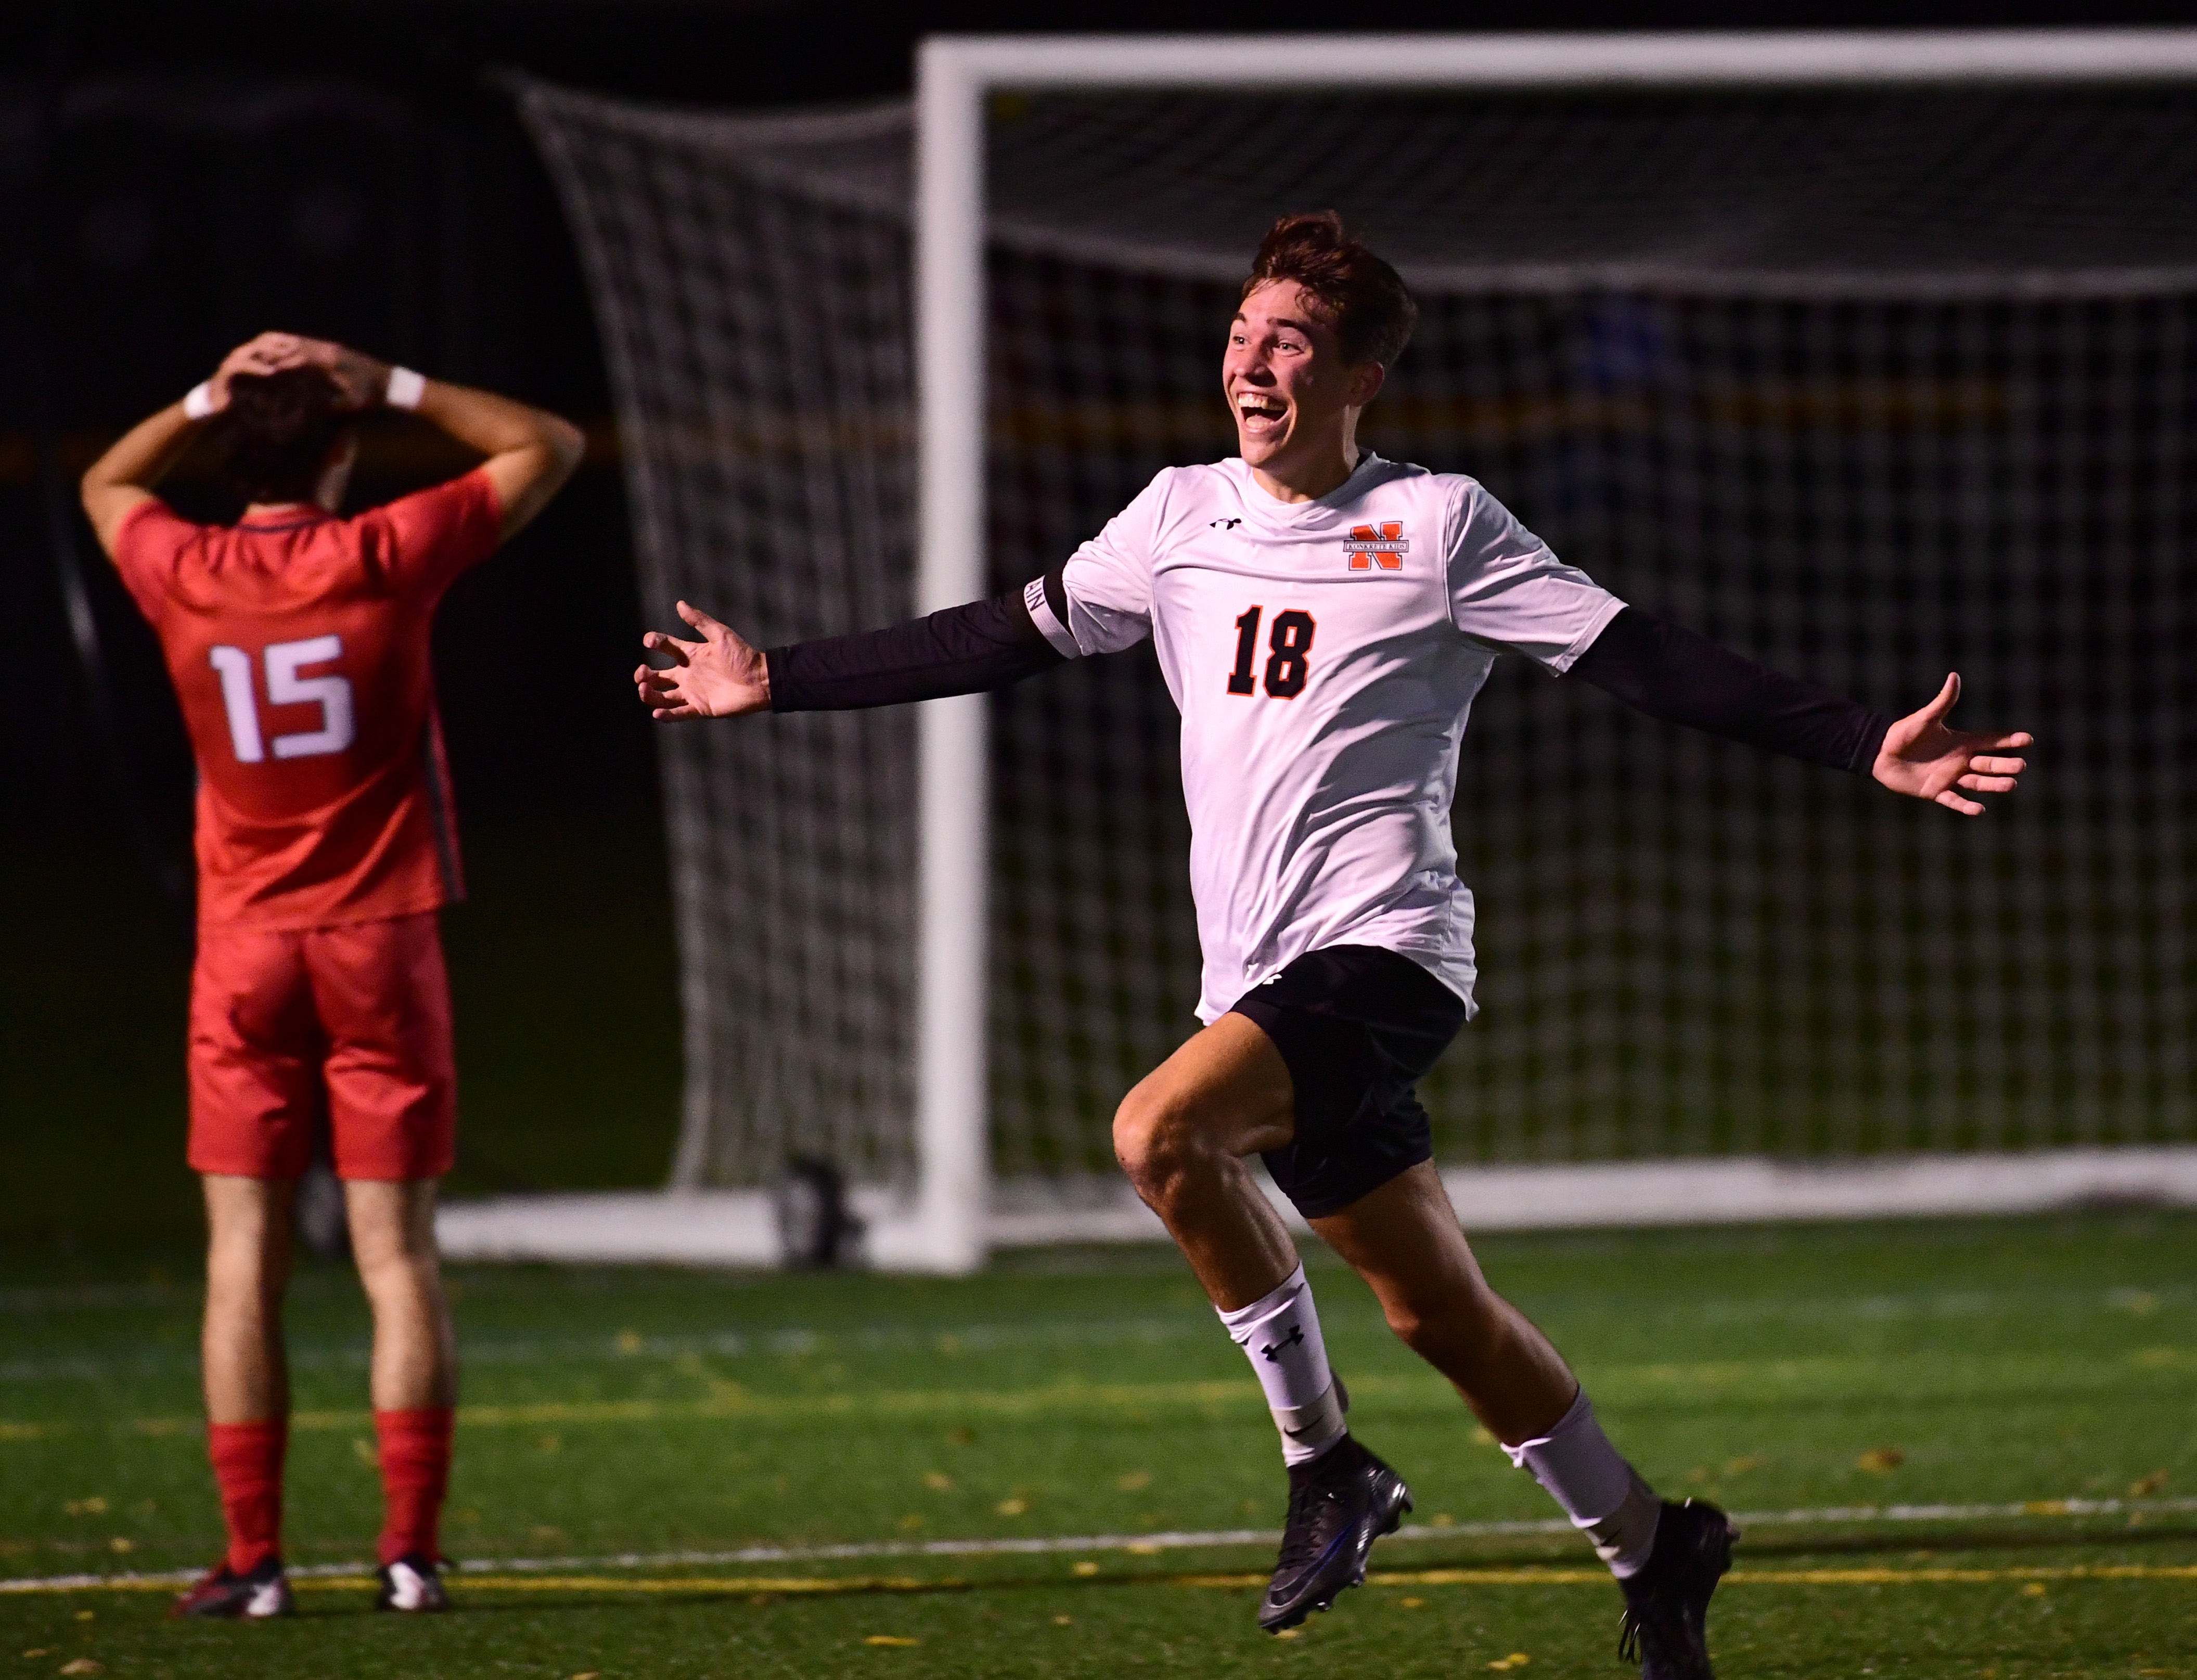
pixel 348 170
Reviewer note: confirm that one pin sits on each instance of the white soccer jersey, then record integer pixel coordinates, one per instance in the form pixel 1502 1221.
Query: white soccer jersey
pixel 1323 655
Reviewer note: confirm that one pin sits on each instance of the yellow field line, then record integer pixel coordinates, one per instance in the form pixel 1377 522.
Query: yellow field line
pixel 730 1400
pixel 791 1586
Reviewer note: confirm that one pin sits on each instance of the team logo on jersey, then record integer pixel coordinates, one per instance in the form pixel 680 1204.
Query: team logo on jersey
pixel 1384 547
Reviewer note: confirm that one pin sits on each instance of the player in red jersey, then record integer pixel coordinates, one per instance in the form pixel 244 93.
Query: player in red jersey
pixel 297 643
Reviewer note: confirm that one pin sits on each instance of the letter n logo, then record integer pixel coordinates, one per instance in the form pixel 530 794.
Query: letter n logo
pixel 1384 547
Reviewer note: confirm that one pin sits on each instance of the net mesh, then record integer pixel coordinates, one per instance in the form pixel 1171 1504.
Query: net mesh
pixel 1870 386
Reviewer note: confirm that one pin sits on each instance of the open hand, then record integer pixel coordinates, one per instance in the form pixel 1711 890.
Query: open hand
pixel 718 676
pixel 1923 759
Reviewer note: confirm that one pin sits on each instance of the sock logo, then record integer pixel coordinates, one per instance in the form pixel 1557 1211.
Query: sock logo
pixel 1272 1350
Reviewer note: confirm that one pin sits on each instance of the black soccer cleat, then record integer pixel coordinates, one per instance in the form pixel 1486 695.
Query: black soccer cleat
pixel 262 1592
pixel 413 1584
pixel 1666 1604
pixel 1340 1504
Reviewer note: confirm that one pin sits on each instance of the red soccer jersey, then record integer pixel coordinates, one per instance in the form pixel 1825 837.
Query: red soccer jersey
pixel 298 643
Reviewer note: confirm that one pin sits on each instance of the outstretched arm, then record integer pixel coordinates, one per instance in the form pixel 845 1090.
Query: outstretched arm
pixel 964 650
pixel 1674 674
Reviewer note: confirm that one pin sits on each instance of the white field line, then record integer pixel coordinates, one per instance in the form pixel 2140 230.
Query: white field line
pixel 1138 1545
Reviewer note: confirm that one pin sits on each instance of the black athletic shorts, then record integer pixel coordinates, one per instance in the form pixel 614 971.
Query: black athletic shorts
pixel 1358 1027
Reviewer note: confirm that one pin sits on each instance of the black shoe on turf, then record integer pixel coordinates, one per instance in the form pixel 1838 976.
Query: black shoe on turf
pixel 263 1592
pixel 413 1584
pixel 1666 1604
pixel 1340 1504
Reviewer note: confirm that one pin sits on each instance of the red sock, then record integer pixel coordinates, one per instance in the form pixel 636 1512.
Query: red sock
pixel 247 1464
pixel 415 1474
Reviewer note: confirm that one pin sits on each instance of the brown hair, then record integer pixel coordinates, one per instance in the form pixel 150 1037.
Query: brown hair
pixel 279 431
pixel 1358 294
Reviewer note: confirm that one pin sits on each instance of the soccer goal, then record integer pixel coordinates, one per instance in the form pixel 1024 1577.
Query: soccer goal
pixel 1871 355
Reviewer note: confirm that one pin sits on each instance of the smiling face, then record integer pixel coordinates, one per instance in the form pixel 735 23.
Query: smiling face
pixel 1294 399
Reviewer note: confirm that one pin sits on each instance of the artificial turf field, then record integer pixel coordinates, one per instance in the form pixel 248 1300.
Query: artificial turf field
pixel 1799 1372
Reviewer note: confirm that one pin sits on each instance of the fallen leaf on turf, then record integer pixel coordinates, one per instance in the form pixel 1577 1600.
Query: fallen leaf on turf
pixel 1087 1567
pixel 94 1506
pixel 911 1521
pixel 86 1615
pixel 2034 1589
pixel 628 1341
pixel 1133 1480
pixel 1064 1621
pixel 1412 1603
pixel 1444 1519
pixel 363 1449
pixel 1011 1507
pixel 937 1481
pixel 1516 1660
pixel 1290 1633
pixel 1881 1460
pixel 83 1666
pixel 890 1639
pixel 2149 1485
pixel 33 1656
pixel 592 1674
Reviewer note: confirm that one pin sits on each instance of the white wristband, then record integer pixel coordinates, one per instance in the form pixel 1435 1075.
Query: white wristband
pixel 198 403
pixel 406 388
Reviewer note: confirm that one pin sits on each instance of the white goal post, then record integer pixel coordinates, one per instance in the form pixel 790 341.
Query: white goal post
pixel 956 77
pixel 1861 352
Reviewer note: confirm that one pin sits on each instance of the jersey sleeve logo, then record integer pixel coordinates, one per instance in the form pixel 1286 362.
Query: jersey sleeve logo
pixel 1384 547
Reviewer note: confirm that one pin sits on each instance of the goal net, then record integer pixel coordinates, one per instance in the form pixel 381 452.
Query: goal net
pixel 1871 382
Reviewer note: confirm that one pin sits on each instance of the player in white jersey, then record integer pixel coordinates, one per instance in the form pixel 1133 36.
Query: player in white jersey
pixel 1323 619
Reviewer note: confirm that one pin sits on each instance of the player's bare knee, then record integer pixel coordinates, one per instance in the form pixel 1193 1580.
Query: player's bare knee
pixel 1136 1128
pixel 1156 1141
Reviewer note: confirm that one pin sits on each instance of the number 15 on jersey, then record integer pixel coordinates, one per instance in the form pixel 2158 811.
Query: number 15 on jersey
pixel 286 687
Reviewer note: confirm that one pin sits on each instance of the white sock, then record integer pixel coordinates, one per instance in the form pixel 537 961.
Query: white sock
pixel 1604 1495
pixel 1280 1334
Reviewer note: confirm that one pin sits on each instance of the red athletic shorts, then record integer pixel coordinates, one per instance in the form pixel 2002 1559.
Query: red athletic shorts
pixel 353 1021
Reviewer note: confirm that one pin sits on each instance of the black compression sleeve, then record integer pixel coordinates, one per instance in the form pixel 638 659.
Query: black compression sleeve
pixel 964 650
pixel 1683 678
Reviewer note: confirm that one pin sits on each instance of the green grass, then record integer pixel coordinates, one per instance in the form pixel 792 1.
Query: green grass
pixel 1091 1394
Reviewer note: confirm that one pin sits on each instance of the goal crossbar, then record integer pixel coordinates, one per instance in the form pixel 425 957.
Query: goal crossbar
pixel 946 1227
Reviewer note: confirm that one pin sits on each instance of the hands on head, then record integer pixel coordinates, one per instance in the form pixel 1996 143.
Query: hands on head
pixel 719 676
pixel 1923 759
pixel 361 379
